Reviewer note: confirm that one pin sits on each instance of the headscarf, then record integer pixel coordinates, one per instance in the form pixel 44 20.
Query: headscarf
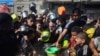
pixel 4 9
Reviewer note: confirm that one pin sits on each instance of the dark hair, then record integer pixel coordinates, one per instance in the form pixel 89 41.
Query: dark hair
pixel 77 10
pixel 28 17
pixel 62 19
pixel 31 16
pixel 39 21
pixel 84 36
pixel 76 29
pixel 17 25
pixel 31 30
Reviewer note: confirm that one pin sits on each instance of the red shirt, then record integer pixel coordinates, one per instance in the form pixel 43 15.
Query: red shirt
pixel 72 42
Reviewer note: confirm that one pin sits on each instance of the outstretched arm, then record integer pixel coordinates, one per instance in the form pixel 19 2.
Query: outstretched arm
pixel 61 36
pixel 92 47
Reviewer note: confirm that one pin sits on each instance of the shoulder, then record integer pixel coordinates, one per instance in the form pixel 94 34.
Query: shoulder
pixel 68 24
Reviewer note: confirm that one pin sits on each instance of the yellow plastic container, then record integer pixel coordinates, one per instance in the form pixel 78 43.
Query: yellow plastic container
pixel 45 35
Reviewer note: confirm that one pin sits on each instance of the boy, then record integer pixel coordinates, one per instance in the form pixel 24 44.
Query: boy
pixel 82 48
pixel 74 32
pixel 28 41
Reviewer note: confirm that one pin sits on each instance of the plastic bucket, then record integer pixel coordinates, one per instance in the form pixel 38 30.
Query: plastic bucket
pixel 52 51
pixel 45 36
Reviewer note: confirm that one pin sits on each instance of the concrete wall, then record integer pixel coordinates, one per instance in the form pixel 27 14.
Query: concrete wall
pixel 41 4
pixel 25 5
pixel 21 4
pixel 11 9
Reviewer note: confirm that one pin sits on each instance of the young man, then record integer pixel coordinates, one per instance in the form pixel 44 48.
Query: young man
pixel 67 30
pixel 30 21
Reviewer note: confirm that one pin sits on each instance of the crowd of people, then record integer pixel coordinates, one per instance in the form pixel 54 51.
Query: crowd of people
pixel 30 34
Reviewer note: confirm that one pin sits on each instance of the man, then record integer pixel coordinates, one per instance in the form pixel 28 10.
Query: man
pixel 66 33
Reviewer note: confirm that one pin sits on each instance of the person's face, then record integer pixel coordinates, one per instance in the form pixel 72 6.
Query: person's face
pixel 44 16
pixel 30 22
pixel 74 35
pixel 40 17
pixel 75 16
pixel 78 40
pixel 38 25
pixel 60 23
pixel 51 26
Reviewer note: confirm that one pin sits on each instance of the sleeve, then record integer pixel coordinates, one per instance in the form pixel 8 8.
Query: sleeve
pixel 67 25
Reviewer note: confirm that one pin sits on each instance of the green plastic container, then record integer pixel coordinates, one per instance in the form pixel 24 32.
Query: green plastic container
pixel 52 51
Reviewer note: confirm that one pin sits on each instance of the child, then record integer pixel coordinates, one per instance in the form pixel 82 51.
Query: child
pixel 39 26
pixel 82 48
pixel 29 42
pixel 75 30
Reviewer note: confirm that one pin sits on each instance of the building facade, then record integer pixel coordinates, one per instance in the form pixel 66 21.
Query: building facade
pixel 90 7
pixel 20 5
